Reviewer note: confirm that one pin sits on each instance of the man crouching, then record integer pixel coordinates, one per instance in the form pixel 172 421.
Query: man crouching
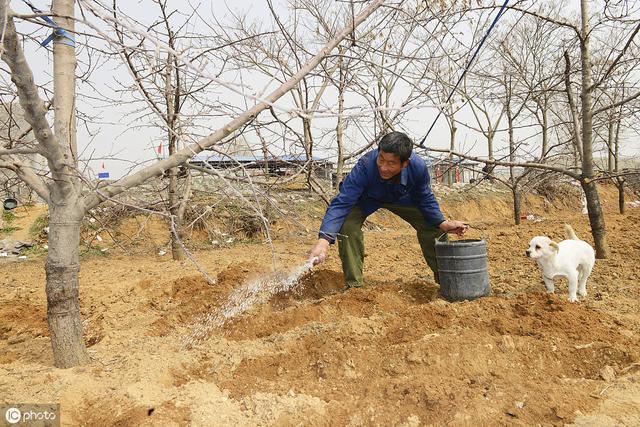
pixel 393 178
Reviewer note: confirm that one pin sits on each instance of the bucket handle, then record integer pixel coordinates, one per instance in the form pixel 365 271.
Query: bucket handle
pixel 482 232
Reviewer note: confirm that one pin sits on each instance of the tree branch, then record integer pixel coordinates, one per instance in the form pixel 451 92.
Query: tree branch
pixel 186 153
pixel 616 104
pixel 549 19
pixel 11 151
pixel 615 61
pixel 534 165
pixel 577 141
pixel 27 176
pixel 34 108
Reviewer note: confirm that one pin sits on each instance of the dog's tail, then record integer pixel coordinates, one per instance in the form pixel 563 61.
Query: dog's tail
pixel 570 233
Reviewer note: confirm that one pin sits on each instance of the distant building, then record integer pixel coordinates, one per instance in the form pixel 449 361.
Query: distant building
pixel 256 164
pixel 445 171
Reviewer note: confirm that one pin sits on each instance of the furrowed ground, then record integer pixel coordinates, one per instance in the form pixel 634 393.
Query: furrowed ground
pixel 391 353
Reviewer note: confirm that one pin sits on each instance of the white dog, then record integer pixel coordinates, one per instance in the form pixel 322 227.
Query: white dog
pixel 572 258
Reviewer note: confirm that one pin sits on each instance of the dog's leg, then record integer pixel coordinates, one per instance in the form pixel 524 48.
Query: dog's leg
pixel 548 283
pixel 585 271
pixel 573 286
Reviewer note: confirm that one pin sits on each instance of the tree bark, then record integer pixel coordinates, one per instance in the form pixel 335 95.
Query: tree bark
pixel 512 153
pixel 621 207
pixel 172 102
pixel 576 139
pixel 340 124
pixel 596 216
pixel 620 181
pixel 174 205
pixel 452 146
pixel 545 134
pixel 62 267
pixel 517 204
pixel 308 148
pixel 610 143
pixel 65 215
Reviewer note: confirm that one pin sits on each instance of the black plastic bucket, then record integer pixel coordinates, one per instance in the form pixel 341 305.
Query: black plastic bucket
pixel 462 269
pixel 10 204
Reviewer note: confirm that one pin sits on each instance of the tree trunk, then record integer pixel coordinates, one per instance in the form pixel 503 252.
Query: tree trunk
pixel 62 267
pixel 490 172
pixel 308 148
pixel 64 68
pixel 596 216
pixel 340 124
pixel 517 204
pixel 620 185
pixel 545 135
pixel 576 134
pixel 172 102
pixel 596 219
pixel 616 147
pixel 452 147
pixel 512 155
pixel 610 144
pixel 65 214
pixel 174 204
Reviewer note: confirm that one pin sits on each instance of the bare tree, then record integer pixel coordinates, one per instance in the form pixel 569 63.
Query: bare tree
pixel 63 189
pixel 584 112
pixel 172 94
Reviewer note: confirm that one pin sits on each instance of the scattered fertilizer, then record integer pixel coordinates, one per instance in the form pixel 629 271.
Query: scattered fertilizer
pixel 256 291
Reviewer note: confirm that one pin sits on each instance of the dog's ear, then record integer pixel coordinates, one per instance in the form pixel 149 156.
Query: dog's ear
pixel 555 246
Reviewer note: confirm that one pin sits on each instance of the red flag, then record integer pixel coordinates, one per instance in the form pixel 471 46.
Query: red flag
pixel 102 165
pixel 160 148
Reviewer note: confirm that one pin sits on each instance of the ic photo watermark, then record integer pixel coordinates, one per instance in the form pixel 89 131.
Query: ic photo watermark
pixel 30 415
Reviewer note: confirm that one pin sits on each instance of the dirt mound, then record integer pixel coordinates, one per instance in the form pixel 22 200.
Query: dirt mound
pixel 425 359
pixel 391 353
pixel 184 300
pixel 22 321
pixel 313 285
pixel 124 413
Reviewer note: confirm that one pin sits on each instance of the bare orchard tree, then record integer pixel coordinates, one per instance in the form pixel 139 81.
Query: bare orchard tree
pixel 278 57
pixel 63 188
pixel 396 76
pixel 444 74
pixel 532 50
pixel 584 111
pixel 170 93
pixel 612 126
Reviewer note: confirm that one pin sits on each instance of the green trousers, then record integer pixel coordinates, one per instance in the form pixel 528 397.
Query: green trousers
pixel 351 240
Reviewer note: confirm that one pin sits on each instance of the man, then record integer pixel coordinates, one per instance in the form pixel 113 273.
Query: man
pixel 391 177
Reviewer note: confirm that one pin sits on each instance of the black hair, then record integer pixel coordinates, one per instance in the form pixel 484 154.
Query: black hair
pixel 397 143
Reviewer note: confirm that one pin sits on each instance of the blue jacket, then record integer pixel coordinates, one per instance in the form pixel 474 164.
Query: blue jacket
pixel 365 187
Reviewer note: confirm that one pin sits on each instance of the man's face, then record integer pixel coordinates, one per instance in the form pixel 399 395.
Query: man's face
pixel 389 165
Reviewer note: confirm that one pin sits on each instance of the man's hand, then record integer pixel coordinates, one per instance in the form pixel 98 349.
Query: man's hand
pixel 455 227
pixel 319 251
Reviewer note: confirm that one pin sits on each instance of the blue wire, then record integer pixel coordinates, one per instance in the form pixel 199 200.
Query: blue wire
pixel 464 72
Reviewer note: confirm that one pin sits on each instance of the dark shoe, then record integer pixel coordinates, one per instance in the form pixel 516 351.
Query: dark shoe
pixel 353 284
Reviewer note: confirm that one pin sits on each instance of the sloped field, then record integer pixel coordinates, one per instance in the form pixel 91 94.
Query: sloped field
pixel 391 353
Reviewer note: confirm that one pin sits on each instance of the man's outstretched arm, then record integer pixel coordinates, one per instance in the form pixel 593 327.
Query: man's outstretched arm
pixel 350 191
pixel 426 201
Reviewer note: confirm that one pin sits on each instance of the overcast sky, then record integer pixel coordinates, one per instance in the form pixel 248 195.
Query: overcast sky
pixel 110 139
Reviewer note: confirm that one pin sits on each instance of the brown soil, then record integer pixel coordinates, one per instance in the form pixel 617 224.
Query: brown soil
pixel 391 353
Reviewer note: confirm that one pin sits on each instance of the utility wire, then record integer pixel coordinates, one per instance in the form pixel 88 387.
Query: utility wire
pixel 464 72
